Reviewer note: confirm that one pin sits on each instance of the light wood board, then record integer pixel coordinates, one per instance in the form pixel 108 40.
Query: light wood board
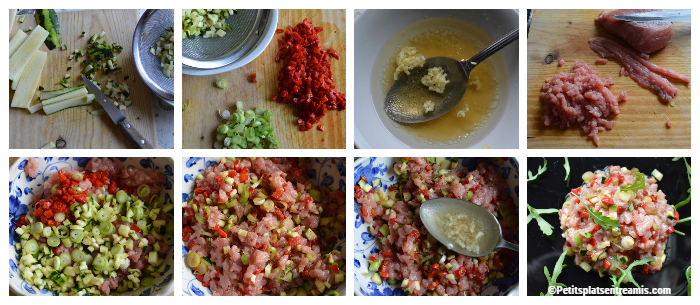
pixel 77 126
pixel 200 120
pixel 642 119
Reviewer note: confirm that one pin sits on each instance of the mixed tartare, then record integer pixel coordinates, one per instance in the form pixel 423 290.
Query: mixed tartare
pixel 408 255
pixel 258 226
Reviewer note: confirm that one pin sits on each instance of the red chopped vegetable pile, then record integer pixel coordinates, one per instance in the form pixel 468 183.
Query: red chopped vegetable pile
pixel 306 79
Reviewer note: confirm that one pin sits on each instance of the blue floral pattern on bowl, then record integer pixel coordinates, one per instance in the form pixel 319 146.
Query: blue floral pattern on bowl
pixel 324 171
pixel 23 189
pixel 366 244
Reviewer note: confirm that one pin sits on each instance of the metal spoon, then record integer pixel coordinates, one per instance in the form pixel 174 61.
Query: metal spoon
pixel 405 99
pixel 431 212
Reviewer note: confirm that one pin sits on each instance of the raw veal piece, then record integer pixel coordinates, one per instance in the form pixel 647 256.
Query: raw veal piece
pixel 25 52
pixel 30 80
pixel 580 97
pixel 645 73
pixel 645 37
pixel 17 41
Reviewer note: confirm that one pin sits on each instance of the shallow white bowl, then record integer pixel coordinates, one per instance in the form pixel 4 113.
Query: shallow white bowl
pixel 324 171
pixel 374 28
pixel 267 34
pixel 22 192
pixel 366 244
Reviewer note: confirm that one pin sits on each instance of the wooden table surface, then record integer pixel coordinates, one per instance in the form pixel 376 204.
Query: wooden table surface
pixel 77 126
pixel 641 123
pixel 200 120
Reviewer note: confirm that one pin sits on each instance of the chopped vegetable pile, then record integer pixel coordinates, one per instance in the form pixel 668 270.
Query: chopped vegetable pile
pixel 164 49
pixel 93 234
pixel 306 79
pixel 246 129
pixel 211 22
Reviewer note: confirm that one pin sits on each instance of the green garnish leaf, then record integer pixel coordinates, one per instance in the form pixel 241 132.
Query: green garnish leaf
pixel 598 218
pixel 552 281
pixel 627 272
pixel 687 167
pixel 679 233
pixel 544 225
pixel 687 277
pixel 684 219
pixel 639 183
pixel 567 168
pixel 540 170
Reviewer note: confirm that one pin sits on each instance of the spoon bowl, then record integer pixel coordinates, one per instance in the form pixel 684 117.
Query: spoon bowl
pixel 404 100
pixel 406 96
pixel 435 212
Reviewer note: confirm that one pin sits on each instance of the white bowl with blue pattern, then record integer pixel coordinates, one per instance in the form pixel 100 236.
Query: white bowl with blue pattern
pixel 366 244
pixel 23 189
pixel 324 172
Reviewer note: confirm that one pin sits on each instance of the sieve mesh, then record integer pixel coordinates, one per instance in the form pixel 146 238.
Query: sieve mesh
pixel 214 52
pixel 152 25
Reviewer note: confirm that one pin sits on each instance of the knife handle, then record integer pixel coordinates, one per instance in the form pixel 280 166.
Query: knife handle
pixel 134 135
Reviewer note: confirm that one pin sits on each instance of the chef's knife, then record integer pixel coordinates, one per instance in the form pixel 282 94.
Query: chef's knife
pixel 117 116
pixel 657 16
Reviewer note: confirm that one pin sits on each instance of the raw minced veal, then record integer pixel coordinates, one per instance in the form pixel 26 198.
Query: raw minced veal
pixel 436 79
pixel 408 59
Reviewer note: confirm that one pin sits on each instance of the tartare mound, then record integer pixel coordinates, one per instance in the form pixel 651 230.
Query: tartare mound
pixel 631 199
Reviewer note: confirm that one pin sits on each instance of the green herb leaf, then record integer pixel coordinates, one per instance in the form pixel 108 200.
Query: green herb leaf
pixel 639 183
pixel 544 225
pixel 552 281
pixel 540 170
pixel 627 272
pixel 598 218
pixel 567 168
pixel 687 277
pixel 687 167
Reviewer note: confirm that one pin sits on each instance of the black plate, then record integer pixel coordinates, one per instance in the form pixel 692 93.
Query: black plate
pixel 550 190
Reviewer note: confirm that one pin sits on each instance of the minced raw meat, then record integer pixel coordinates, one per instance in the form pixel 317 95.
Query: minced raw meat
pixel 31 168
pixel 580 97
pixel 561 62
pixel 668 123
pixel 622 97
pixel 263 227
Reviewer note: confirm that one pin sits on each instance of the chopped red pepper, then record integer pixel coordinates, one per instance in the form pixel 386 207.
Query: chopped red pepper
pixel 335 269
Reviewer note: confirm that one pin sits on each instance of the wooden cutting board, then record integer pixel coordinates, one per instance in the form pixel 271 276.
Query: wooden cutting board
pixel 200 120
pixel 76 125
pixel 564 34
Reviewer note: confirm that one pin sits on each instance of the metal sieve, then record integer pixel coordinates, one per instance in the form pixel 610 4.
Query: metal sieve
pixel 210 53
pixel 151 26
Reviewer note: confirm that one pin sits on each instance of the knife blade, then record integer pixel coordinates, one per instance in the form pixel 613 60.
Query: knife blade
pixel 117 116
pixel 658 16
